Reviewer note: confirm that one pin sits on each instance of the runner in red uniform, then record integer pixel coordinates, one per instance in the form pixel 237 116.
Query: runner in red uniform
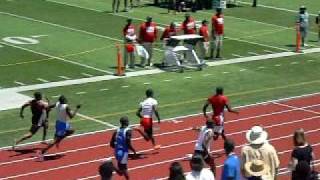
pixel 218 103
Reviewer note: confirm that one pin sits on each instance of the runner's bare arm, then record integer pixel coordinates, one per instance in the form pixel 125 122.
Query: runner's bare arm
pixel 113 139
pixel 231 110
pixel 72 114
pixel 205 143
pixel 22 109
pixel 129 135
pixel 138 113
pixel 155 110
pixel 204 109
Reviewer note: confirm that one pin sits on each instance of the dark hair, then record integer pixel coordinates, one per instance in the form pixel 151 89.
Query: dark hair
pixel 228 145
pixel 124 121
pixel 62 99
pixel 105 170
pixel 149 93
pixel 210 123
pixel 129 20
pixel 299 138
pixel 219 90
pixel 196 163
pixel 37 95
pixel 176 172
pixel 204 22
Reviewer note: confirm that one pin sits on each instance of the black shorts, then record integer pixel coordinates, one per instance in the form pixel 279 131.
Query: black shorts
pixel 206 157
pixel 35 127
pixel 122 167
pixel 149 131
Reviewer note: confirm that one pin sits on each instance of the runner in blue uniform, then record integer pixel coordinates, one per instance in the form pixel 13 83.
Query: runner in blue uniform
pixel 121 143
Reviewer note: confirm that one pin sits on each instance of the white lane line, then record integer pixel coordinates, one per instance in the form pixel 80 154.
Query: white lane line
pixel 55 96
pixel 261 67
pixel 253 53
pixel 19 83
pixel 167 80
pixel 297 108
pixel 82 92
pixel 294 63
pixel 96 120
pixel 64 77
pixel 43 80
pixel 241 70
pixel 237 55
pixel 125 86
pixel 147 83
pixel 193 115
pixel 225 72
pixel 57 58
pixel 277 65
pixel 105 89
pixel 86 74
pixel 310 60
pixel 269 51
pixel 38 36
pixel 187 77
pixel 206 75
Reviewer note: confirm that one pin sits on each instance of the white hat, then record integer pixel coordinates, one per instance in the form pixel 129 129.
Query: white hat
pixel 256 135
pixel 256 168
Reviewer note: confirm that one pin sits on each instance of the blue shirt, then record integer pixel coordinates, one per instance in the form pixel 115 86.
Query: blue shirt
pixel 231 168
pixel 121 140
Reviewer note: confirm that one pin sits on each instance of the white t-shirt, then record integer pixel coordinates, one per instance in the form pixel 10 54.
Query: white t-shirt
pixel 205 174
pixel 147 107
pixel 62 112
pixel 204 131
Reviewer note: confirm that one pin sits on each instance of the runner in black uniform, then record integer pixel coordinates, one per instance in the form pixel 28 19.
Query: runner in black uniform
pixel 39 110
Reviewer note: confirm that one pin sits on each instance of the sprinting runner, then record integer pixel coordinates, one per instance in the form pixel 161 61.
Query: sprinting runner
pixel 63 128
pixel 39 110
pixel 218 103
pixel 121 143
pixel 148 107
pixel 203 144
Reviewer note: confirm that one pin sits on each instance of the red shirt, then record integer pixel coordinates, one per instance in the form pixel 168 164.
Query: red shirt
pixel 218 103
pixel 218 24
pixel 148 32
pixel 168 32
pixel 128 30
pixel 204 31
pixel 189 27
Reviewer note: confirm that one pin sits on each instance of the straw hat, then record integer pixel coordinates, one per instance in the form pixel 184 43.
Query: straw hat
pixel 256 135
pixel 256 168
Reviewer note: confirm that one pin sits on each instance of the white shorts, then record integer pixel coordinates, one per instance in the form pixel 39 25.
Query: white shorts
pixel 218 129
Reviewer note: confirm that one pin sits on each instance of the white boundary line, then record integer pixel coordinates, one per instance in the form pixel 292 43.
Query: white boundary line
pixel 55 57
pixel 96 120
pixel 178 117
pixel 293 107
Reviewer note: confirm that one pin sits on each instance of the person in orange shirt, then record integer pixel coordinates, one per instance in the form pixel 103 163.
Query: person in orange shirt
pixel 204 44
pixel 147 36
pixel 217 33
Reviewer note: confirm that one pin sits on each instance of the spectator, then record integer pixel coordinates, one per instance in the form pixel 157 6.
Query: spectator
pixel 254 3
pixel 258 148
pixel 197 170
pixel 148 35
pixel 231 167
pixel 129 40
pixel 303 171
pixel 302 152
pixel 189 25
pixel 172 6
pixel 258 170
pixel 217 33
pixel 176 172
pixel 303 21
pixel 204 44
pixel 106 169
pixel 318 24
pixel 169 31
pixel 115 6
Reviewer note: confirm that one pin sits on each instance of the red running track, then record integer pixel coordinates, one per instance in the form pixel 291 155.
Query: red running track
pixel 80 156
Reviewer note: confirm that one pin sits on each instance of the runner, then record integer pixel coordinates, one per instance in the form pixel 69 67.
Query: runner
pixel 63 128
pixel 39 110
pixel 121 143
pixel 203 144
pixel 148 107
pixel 218 103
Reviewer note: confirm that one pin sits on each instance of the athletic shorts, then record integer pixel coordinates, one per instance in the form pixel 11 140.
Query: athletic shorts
pixel 218 124
pixel 62 128
pixel 35 127
pixel 303 32
pixel 205 156
pixel 121 156
pixel 146 123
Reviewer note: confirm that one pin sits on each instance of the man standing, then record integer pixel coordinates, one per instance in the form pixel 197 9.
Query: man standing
pixel 147 108
pixel 217 33
pixel 39 110
pixel 204 44
pixel 129 39
pixel 218 103
pixel 318 24
pixel 198 171
pixel 258 148
pixel 254 3
pixel 303 24
pixel 188 26
pixel 115 6
pixel 121 143
pixel 148 35
pixel 231 166
pixel 203 144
